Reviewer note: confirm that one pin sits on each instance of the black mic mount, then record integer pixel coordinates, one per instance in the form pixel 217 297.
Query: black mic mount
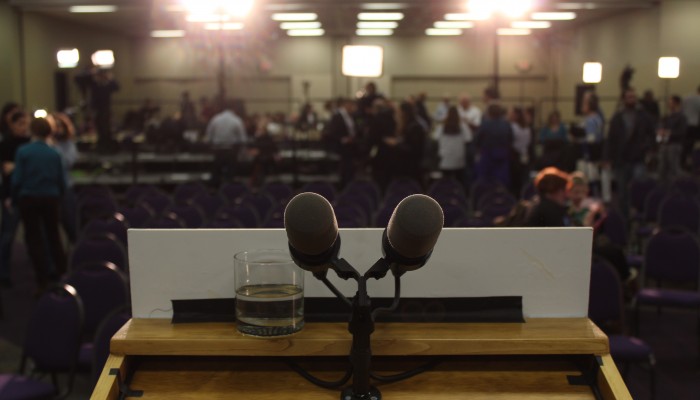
pixel 361 323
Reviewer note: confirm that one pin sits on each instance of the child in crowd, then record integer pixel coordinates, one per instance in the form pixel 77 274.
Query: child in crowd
pixel 583 210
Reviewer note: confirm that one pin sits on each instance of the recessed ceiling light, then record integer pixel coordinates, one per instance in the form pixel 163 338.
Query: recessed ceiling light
pixel 377 24
pixel 383 6
pixel 68 58
pixel 513 32
pixel 300 25
pixel 374 32
pixel 93 9
pixel 453 24
pixel 554 16
pixel 305 32
pixel 465 17
pixel 531 24
pixel 294 16
pixel 576 6
pixel 168 33
pixel 443 32
pixel 380 16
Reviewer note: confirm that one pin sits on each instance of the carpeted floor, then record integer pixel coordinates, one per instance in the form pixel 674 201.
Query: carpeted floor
pixel 672 335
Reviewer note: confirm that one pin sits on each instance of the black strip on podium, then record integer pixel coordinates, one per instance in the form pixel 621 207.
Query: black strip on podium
pixel 331 309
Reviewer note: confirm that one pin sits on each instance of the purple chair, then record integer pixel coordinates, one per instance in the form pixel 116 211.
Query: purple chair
pixel 133 193
pixel 679 210
pixel 233 190
pixel 224 223
pixel 261 202
pixel 357 199
pixel 500 198
pixel 671 256
pixel 158 201
pixel 116 225
pixel 94 207
pixel 109 326
pixel 275 218
pixel 481 187
pixel 350 212
pixel 453 214
pixel 381 218
pixel 638 192
pixel 51 343
pixel 246 214
pixel 689 186
pixel 366 187
pixel 652 203
pixel 102 288
pixel 606 309
pixel 209 203
pixel 447 188
pixel 191 215
pixel 404 187
pixel 94 190
pixel 138 216
pixel 97 249
pixel 185 192
pixel 279 191
pixel 166 221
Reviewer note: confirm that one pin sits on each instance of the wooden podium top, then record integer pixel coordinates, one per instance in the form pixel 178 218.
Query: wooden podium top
pixel 549 336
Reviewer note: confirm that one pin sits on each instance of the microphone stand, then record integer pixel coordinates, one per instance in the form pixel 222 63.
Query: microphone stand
pixel 361 325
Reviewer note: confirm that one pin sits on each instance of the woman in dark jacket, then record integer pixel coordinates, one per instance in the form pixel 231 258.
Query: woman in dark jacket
pixel 409 143
pixel 494 140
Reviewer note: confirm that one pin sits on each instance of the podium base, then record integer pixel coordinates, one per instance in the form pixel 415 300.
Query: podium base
pixel 348 394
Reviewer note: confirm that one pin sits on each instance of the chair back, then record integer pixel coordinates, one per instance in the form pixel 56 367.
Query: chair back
pixel 481 188
pixel 97 249
pixel 185 192
pixel 679 210
pixel 135 192
pixel 605 294
pixel 209 203
pixel 672 255
pixel 166 221
pixel 366 187
pixel 615 228
pixel 233 190
pixel 688 186
pixel 246 214
pixel 94 207
pixel 325 189
pixel 109 326
pixel 453 213
pixel 652 203
pixel 191 215
pixel 158 201
pixel 54 332
pixel 262 203
pixel 137 216
pixel 638 192
pixel 279 191
pixel 102 288
pixel 116 225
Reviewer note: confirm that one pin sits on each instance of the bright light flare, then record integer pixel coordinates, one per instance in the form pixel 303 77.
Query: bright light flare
pixel 513 32
pixel 294 17
pixel 669 67
pixel 226 26
pixel 453 24
pixel 306 32
pixel 374 32
pixel 168 33
pixel 376 16
pixel 443 32
pixel 363 61
pixel 531 24
pixel 510 8
pixel 300 25
pixel 553 16
pixel 103 58
pixel 377 24
pixel 68 58
pixel 592 72
pixel 93 9
pixel 41 113
pixel 234 8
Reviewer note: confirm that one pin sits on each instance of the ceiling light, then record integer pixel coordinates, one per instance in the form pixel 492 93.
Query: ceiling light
pixel 465 17
pixel 511 8
pixel 513 32
pixel 377 24
pixel 554 16
pixel 531 24
pixel 167 33
pixel 576 6
pixel 374 32
pixel 453 24
pixel 294 16
pixel 380 16
pixel 92 9
pixel 206 18
pixel 363 61
pixel 592 72
pixel 236 8
pixel 669 67
pixel 226 26
pixel 68 58
pixel 300 25
pixel 103 58
pixel 41 113
pixel 383 6
pixel 305 32
pixel 443 32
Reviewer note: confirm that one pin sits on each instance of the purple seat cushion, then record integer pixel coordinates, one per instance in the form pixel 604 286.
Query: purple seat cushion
pixel 17 387
pixel 86 355
pixel 669 298
pixel 629 349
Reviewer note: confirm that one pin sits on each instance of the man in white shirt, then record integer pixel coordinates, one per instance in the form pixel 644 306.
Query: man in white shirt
pixel 226 128
pixel 691 109
pixel 470 118
pixel 225 133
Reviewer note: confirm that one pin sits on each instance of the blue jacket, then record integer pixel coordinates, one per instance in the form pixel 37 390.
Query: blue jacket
pixel 38 172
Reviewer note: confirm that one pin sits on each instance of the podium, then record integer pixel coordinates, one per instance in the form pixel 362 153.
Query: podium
pixel 538 359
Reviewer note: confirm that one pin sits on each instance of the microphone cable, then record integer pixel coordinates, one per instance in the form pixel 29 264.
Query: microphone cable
pixel 397 298
pixel 317 381
pixel 405 375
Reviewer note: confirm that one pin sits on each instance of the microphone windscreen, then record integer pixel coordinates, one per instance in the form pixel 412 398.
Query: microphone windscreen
pixel 310 223
pixel 415 226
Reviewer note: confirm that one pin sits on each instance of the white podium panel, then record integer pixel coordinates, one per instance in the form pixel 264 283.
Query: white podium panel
pixel 548 267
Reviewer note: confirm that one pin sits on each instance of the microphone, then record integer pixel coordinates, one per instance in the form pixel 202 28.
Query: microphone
pixel 412 233
pixel 312 232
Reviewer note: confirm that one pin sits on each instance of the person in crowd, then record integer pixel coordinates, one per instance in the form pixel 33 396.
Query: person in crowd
pixel 494 141
pixel 226 133
pixel 38 182
pixel 409 143
pixel 382 125
pixel 583 210
pixel 551 208
pixel 102 87
pixel 206 111
pixel 490 96
pixel 307 119
pixel 629 141
pixel 146 113
pixel 188 113
pixel 522 136
pixel 7 111
pixel 470 116
pixel 651 106
pixel 63 140
pixel 422 109
pixel 592 140
pixel 671 136
pixel 554 140
pixel 264 152
pixel 452 137
pixel 691 110
pixel 554 130
pixel 346 139
pixel 18 126
pixel 364 103
pixel 441 109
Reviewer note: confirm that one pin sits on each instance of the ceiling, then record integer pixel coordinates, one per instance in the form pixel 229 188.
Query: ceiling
pixel 138 17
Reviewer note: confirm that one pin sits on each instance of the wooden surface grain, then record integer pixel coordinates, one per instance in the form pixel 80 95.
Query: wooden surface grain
pixel 610 381
pixel 536 336
pixel 107 385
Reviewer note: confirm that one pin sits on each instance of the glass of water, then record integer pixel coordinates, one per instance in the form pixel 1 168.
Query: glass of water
pixel 269 293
